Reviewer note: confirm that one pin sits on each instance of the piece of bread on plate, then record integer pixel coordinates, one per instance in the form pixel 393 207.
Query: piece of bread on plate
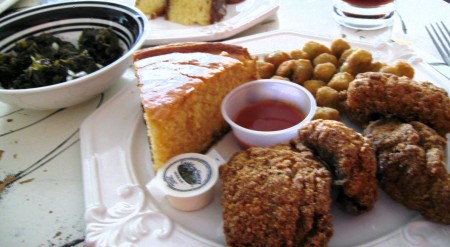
pixel 181 87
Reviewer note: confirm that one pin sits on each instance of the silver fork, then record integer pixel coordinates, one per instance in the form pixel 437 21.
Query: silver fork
pixel 440 36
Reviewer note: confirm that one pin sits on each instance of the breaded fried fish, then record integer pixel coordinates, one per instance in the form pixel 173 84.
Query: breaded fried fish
pixel 350 158
pixel 275 196
pixel 411 166
pixel 375 94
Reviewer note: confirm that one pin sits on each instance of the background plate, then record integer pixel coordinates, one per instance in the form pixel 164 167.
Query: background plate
pixel 117 165
pixel 239 17
pixel 5 4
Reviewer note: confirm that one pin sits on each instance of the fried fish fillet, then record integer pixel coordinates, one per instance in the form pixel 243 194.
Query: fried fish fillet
pixel 411 166
pixel 351 159
pixel 375 94
pixel 276 196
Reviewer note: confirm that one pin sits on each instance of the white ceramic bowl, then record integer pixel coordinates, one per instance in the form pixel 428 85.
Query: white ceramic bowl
pixel 66 20
pixel 261 90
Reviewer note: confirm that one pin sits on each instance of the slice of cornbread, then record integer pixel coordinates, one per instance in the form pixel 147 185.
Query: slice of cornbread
pixel 181 87
pixel 191 12
pixel 152 8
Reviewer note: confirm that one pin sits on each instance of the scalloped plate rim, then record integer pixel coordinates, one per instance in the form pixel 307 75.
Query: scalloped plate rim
pixel 96 186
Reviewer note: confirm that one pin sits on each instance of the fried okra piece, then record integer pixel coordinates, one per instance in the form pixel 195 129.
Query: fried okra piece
pixel 405 69
pixel 303 71
pixel 285 69
pixel 401 68
pixel 328 113
pixel 358 61
pixel 389 69
pixel 324 71
pixel 299 54
pixel 376 66
pixel 340 81
pixel 338 46
pixel 277 77
pixel 314 49
pixel 265 69
pixel 327 96
pixel 344 56
pixel 277 57
pixel 313 85
pixel 297 70
pixel 325 58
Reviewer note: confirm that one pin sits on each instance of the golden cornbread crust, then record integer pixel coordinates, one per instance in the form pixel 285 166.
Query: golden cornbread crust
pixel 181 88
pixel 276 196
pixel 216 48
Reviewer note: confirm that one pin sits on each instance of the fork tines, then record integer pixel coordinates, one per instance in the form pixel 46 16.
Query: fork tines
pixel 441 38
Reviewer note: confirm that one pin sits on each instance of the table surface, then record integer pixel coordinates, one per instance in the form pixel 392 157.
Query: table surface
pixel 41 184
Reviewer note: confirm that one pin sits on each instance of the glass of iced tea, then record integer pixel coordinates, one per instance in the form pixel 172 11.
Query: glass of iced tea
pixel 364 14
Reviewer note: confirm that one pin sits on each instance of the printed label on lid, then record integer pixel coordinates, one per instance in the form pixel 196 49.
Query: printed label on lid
pixel 187 174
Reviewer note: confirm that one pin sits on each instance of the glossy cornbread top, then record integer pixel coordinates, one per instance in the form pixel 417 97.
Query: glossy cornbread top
pixel 165 78
pixel 169 73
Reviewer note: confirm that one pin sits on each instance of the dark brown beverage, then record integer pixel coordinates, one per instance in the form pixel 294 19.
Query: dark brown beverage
pixel 364 14
pixel 368 3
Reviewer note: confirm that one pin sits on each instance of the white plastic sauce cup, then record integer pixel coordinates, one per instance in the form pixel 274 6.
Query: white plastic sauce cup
pixel 261 90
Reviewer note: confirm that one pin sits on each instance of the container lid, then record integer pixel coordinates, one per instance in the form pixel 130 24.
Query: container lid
pixel 183 176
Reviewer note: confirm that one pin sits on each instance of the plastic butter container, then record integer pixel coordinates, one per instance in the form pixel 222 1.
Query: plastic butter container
pixel 187 180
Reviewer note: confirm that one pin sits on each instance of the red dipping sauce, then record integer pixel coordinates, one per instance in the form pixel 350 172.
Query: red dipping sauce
pixel 269 115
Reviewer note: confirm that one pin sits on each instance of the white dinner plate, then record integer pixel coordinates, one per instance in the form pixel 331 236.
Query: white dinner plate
pixel 117 165
pixel 239 17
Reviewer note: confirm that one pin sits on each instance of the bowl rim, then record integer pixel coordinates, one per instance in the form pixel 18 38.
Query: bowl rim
pixel 140 39
pixel 308 117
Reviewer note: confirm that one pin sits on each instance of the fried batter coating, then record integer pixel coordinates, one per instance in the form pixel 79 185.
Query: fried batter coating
pixel 277 57
pixel 374 93
pixel 355 61
pixel 277 77
pixel 323 112
pixel 327 97
pixel 351 159
pixel 265 69
pixel 303 71
pixel 325 58
pixel 411 166
pixel 338 46
pixel 314 49
pixel 297 70
pixel 340 81
pixel 299 54
pixel 313 85
pixel 402 68
pixel 324 71
pixel 405 69
pixel 276 196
